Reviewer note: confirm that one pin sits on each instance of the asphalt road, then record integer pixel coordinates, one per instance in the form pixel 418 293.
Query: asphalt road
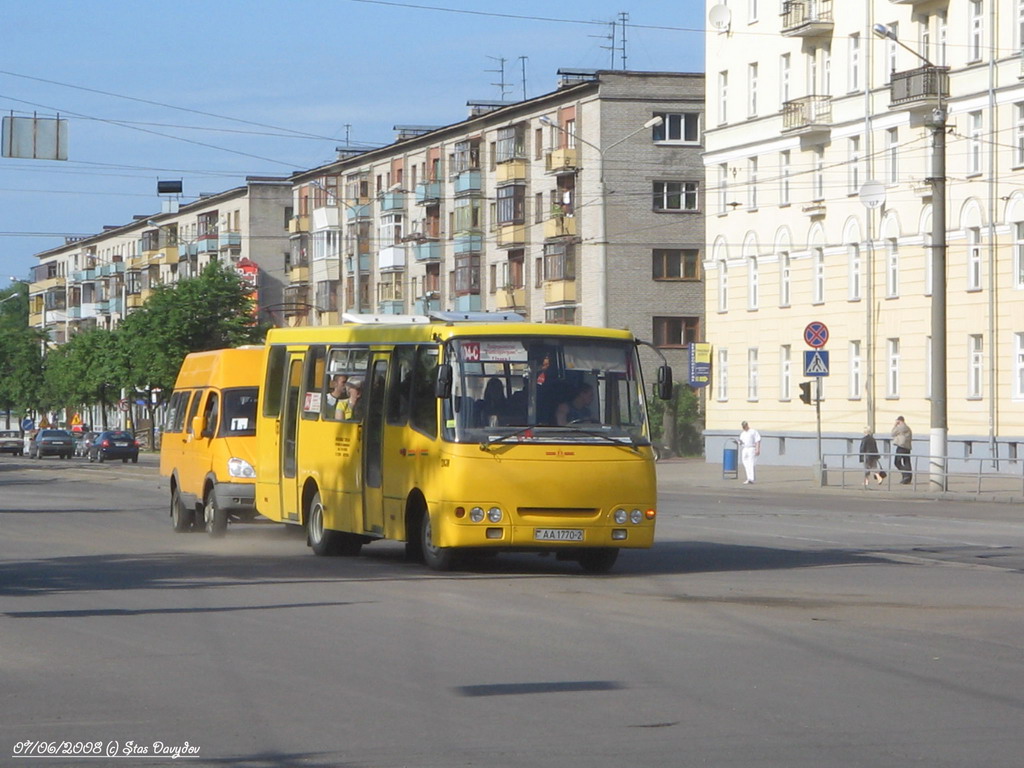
pixel 764 629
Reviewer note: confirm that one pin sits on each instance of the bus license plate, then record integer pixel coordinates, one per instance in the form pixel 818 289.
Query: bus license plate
pixel 558 534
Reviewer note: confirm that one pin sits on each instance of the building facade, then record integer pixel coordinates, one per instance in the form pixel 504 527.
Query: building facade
pixel 95 281
pixel 582 206
pixel 809 101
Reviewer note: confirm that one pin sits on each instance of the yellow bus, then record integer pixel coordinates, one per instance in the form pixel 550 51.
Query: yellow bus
pixel 458 432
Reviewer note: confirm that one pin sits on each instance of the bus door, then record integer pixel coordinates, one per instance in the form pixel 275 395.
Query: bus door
pixel 291 396
pixel 373 446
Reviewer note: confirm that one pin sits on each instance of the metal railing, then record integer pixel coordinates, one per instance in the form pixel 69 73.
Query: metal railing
pixel 971 475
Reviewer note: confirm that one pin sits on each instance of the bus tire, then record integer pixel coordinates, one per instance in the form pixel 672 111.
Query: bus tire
pixel 215 516
pixel 182 517
pixel 436 558
pixel 325 542
pixel 598 560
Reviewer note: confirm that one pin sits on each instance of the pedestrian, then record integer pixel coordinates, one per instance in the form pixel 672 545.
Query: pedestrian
pixel 750 449
pixel 902 438
pixel 869 457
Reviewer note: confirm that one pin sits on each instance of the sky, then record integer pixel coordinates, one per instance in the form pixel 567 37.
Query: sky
pixel 212 91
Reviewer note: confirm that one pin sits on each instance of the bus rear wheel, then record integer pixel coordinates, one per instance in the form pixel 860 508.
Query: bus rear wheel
pixel 436 558
pixel 325 542
pixel 598 560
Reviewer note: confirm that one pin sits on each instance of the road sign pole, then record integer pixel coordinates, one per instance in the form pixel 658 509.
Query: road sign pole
pixel 817 409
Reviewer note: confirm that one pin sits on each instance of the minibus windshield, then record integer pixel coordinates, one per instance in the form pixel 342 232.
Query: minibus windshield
pixel 545 389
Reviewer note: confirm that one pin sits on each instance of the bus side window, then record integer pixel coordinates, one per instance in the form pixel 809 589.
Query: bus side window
pixel 311 379
pixel 210 415
pixel 424 397
pixel 175 421
pixel 193 410
pixel 274 382
pixel 400 385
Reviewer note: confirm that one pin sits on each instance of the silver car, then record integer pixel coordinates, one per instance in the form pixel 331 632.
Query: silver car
pixel 11 441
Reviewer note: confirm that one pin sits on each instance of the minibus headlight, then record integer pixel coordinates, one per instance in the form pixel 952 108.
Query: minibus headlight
pixel 240 468
pixel 476 514
pixel 494 514
pixel 636 516
pixel 621 516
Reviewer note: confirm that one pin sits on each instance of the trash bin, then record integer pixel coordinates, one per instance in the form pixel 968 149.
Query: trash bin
pixel 730 461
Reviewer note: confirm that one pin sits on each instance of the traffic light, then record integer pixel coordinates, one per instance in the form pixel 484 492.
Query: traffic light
pixel 805 392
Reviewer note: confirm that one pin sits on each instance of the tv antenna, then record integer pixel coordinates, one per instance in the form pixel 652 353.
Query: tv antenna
pixel 501 74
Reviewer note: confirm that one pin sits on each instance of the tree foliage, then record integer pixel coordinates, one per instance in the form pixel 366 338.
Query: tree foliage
pixel 21 370
pixel 686 438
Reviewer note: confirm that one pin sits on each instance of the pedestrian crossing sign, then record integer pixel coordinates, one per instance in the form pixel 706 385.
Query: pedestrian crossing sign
pixel 815 362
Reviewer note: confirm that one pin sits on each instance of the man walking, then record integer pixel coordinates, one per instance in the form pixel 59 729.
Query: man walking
pixel 902 438
pixel 750 449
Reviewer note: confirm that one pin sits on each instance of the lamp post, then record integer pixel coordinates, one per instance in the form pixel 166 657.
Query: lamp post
pixel 602 233
pixel 936 122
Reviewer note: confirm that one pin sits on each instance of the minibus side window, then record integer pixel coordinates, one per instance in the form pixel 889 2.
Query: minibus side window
pixel 424 396
pixel 275 380
pixel 311 380
pixel 193 410
pixel 400 385
pixel 210 415
pixel 175 421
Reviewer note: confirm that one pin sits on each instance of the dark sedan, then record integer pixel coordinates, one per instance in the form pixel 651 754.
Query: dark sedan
pixel 52 442
pixel 115 444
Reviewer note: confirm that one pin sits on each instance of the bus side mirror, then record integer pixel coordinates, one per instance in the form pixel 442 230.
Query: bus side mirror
pixel 198 425
pixel 443 385
pixel 664 387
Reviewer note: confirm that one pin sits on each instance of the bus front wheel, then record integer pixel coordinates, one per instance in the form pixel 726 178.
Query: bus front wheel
pixel 436 558
pixel 216 516
pixel 325 542
pixel 599 560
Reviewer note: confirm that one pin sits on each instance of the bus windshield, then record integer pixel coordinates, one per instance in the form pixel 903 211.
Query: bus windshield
pixel 544 389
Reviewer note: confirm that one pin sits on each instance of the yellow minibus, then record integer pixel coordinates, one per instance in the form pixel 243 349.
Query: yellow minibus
pixel 208 442
pixel 458 432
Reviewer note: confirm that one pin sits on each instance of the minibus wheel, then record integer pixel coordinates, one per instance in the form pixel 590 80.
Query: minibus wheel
pixel 181 516
pixel 436 558
pixel 216 518
pixel 598 560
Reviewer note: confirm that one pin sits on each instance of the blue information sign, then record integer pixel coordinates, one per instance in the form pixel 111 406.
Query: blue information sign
pixel 815 362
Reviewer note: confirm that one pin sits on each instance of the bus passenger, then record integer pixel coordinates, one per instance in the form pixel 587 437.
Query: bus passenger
pixel 491 409
pixel 337 393
pixel 352 409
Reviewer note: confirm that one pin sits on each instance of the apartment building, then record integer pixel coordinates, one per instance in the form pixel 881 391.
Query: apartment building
pixel 581 206
pixel 809 100
pixel 95 281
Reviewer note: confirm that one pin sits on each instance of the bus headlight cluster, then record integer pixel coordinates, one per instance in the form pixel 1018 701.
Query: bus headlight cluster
pixel 240 468
pixel 493 515
pixel 635 516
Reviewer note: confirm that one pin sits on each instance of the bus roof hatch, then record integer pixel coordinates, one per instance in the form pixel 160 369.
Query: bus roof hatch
pixel 367 319
pixel 477 317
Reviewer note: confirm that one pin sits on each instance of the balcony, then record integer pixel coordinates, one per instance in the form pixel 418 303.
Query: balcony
pixel 510 298
pixel 426 304
pixel 299 274
pixel 83 276
pixel 510 170
pixel 467 182
pixel 116 306
pixel 511 235
pixel 391 258
pixel 469 243
pixel 229 240
pixel 561 161
pixel 428 250
pixel 469 302
pixel 101 308
pixel 390 307
pixel 428 193
pixel 361 211
pixel 807 18
pixel 364 263
pixel 298 224
pixel 134 300
pixel 560 226
pixel 922 87
pixel 807 116
pixel 559 291
pixel 74 313
pixel 393 201
pixel 110 268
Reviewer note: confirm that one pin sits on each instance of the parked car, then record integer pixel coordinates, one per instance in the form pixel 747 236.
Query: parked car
pixel 52 442
pixel 11 441
pixel 83 442
pixel 114 444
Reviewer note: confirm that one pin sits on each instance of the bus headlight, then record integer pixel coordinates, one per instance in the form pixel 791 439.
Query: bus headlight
pixel 621 516
pixel 636 517
pixel 494 514
pixel 476 514
pixel 240 468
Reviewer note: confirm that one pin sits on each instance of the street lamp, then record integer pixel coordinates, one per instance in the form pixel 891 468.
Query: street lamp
pixel 936 122
pixel 602 234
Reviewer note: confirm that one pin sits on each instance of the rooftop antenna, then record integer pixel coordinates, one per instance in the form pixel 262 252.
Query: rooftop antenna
pixel 522 64
pixel 348 134
pixel 501 72
pixel 623 21
pixel 610 37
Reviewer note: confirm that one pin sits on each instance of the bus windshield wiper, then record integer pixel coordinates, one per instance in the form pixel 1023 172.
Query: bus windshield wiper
pixel 485 444
pixel 614 440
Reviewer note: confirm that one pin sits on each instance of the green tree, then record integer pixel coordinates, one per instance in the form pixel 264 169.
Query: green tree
pixel 84 371
pixel 20 354
pixel 688 422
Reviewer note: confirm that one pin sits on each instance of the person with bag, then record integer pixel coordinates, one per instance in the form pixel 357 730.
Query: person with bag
pixel 869 458
pixel 903 438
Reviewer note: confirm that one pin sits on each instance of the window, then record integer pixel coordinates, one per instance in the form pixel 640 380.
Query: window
pixel 973 259
pixel 753 283
pixel 784 165
pixel 785 69
pixel 855 371
pixel 818 267
pixel 1018 365
pixel 677 128
pixel 785 372
pixel 723 97
pixel 467 214
pixel 467 156
pixel 826 72
pixel 722 374
pixel 976 33
pixel 752 374
pixel 785 279
pixel 467 274
pixel 974 150
pixel 974 365
pixel 892 150
pixel 892 373
pixel 924 37
pixel 676 331
pixel 853 165
pixel 723 188
pixel 723 286
pixel 1018 254
pixel 675 264
pixel 856 272
pixel 511 204
pixel 675 195
pixel 752 90
pixel 560 315
pixel 511 143
pixel 1018 134
pixel 892 269
pixel 854 75
pixel 559 261
pixel 752 183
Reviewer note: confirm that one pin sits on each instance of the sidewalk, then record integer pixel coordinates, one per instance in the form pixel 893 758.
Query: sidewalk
pixel 698 473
